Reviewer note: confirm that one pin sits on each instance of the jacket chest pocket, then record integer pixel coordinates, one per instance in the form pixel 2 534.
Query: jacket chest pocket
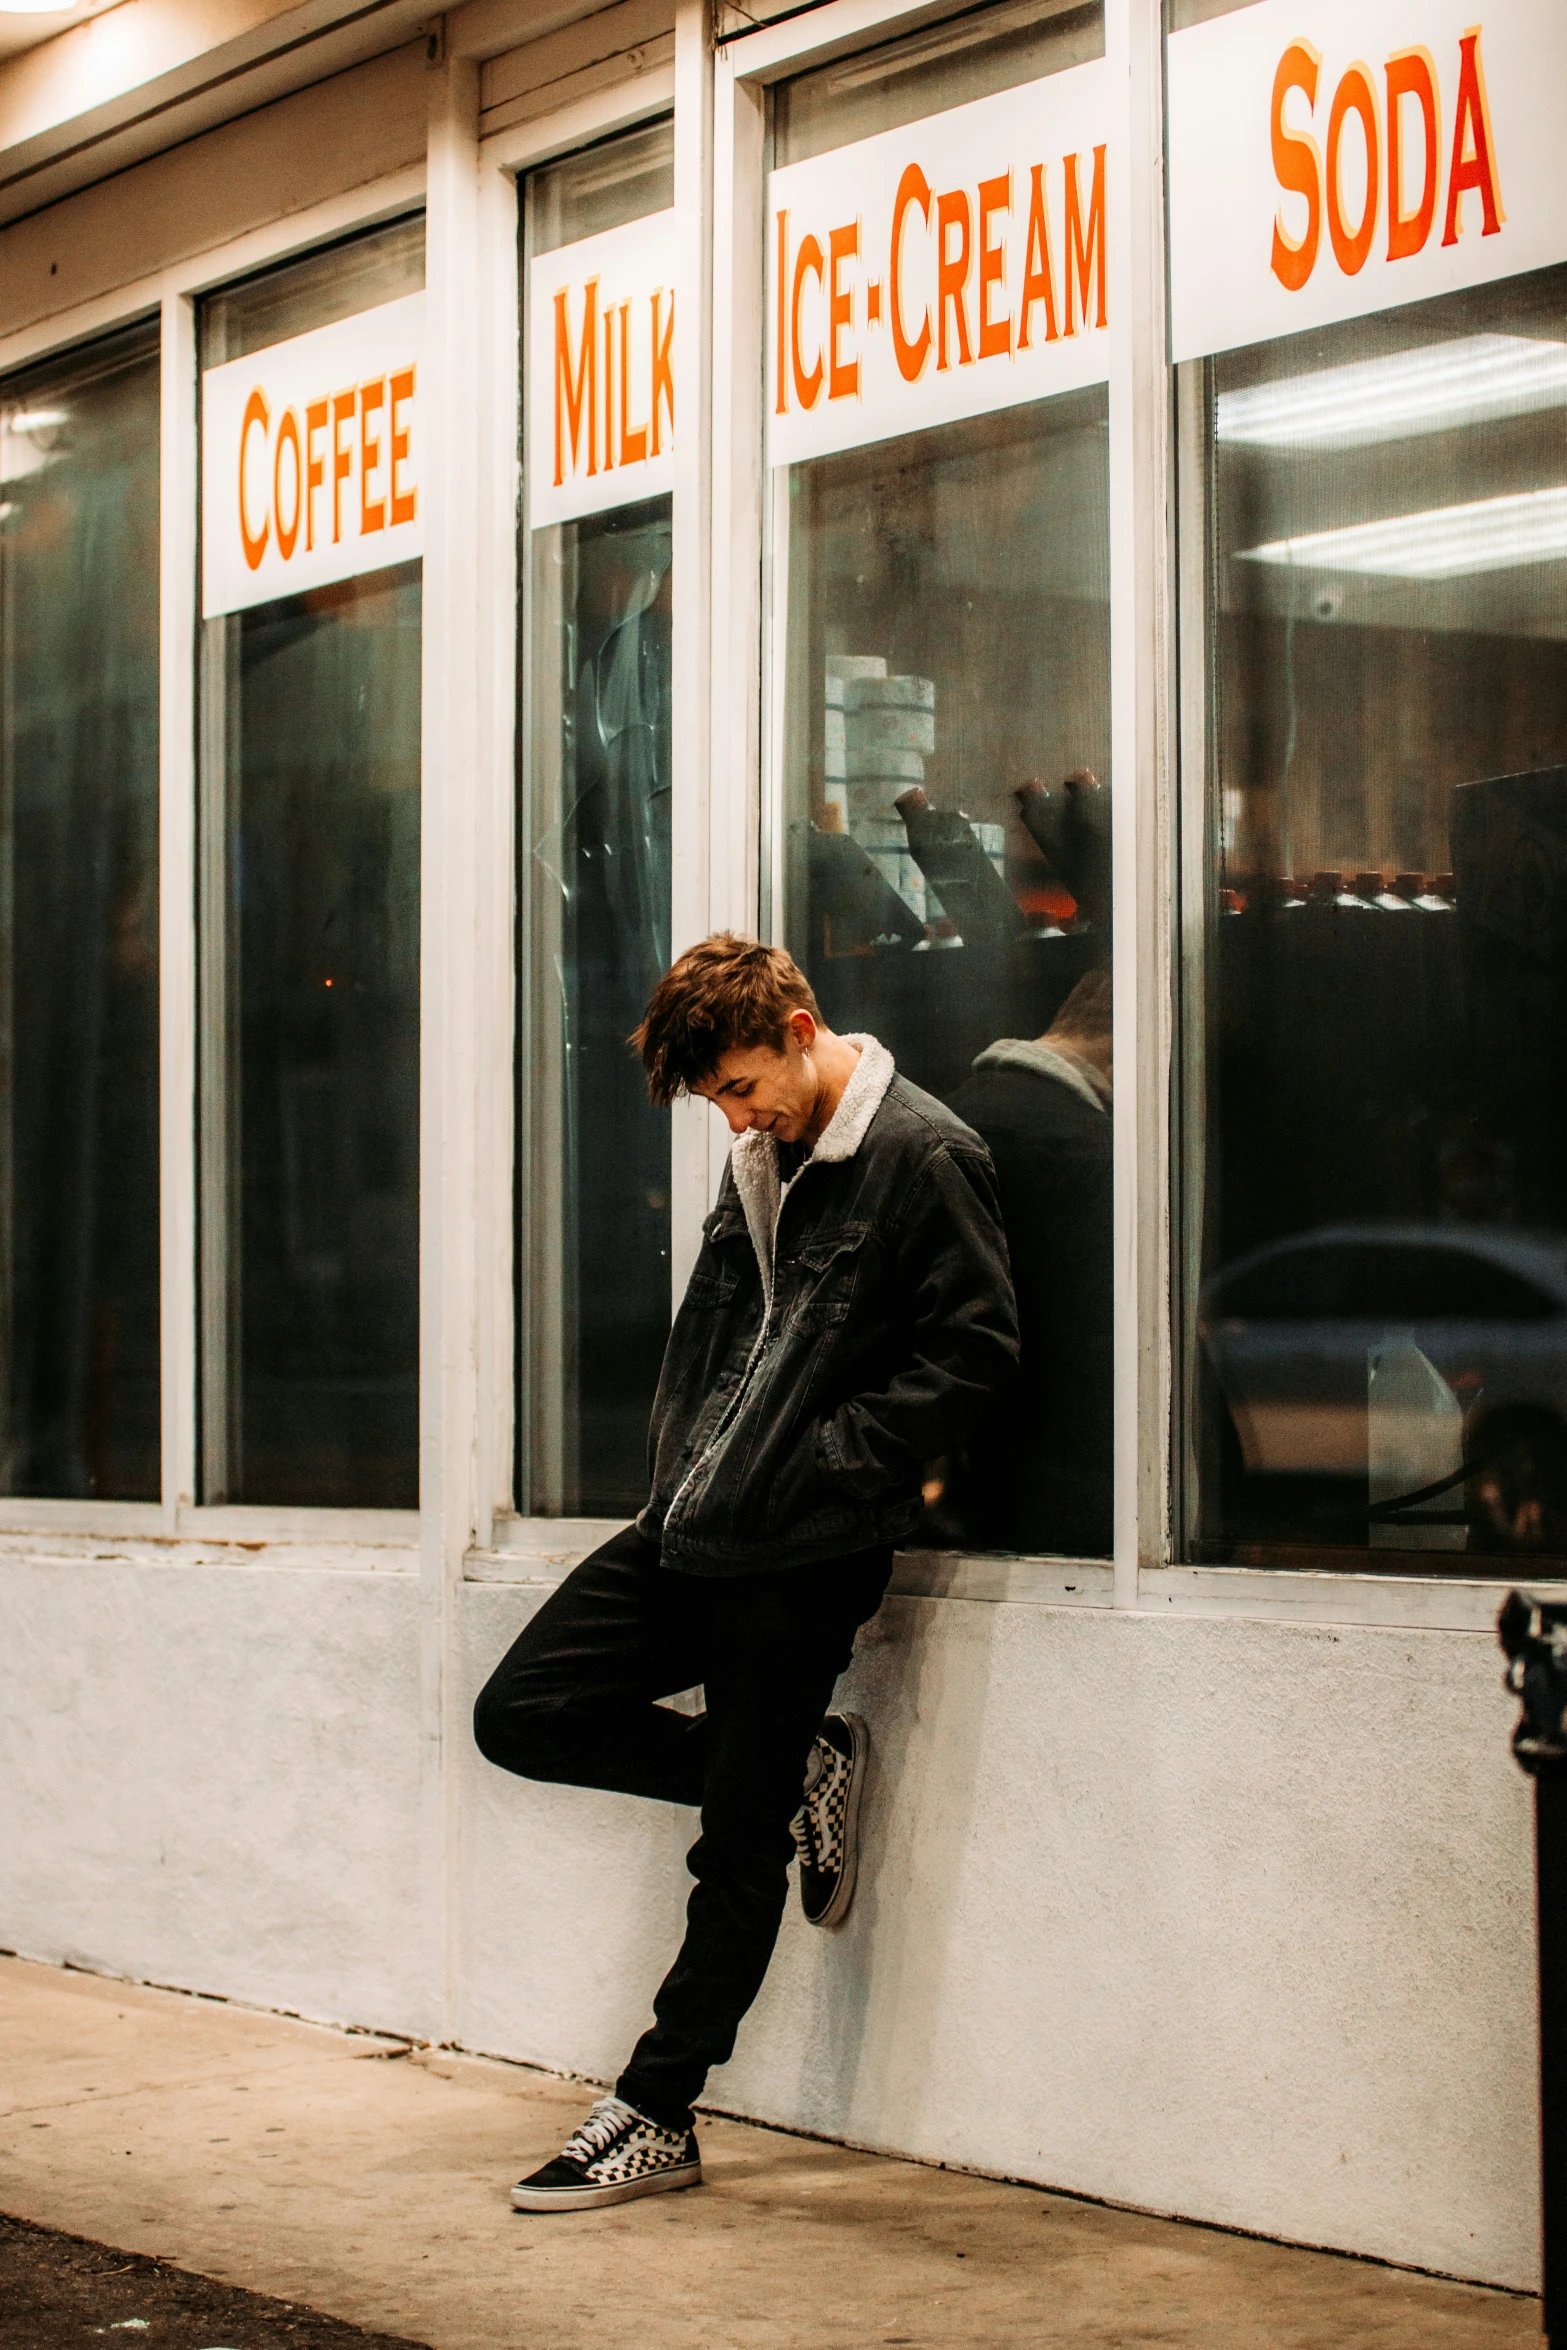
pixel 826 1271
pixel 715 1278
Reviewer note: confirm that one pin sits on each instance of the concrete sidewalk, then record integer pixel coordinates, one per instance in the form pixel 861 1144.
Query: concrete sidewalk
pixel 368 2182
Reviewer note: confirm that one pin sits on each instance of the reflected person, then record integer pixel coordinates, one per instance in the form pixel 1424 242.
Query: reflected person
pixel 1041 1478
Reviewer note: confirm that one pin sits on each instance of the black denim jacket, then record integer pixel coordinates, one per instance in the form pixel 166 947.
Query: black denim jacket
pixel 830 1345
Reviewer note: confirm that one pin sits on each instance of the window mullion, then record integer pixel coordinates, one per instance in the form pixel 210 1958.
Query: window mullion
pixel 177 901
pixel 1139 670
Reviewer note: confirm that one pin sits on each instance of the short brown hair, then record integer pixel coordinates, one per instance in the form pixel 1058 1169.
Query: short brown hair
pixel 728 992
pixel 1085 1016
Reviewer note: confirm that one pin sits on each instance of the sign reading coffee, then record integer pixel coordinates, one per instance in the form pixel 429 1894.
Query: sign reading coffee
pixel 310 456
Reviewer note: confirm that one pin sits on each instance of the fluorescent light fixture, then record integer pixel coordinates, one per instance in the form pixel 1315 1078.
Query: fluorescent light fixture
pixel 1448 542
pixel 1432 389
pixel 31 420
pixel 36 7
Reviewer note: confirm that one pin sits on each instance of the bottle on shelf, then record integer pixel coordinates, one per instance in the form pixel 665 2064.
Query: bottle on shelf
pixel 1070 826
pixel 1374 889
pixel 848 888
pixel 958 871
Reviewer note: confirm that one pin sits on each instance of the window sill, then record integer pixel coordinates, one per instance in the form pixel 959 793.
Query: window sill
pixel 384 1542
pixel 1446 1603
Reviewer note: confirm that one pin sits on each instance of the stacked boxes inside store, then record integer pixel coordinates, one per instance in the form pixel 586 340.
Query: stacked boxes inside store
pixel 880 731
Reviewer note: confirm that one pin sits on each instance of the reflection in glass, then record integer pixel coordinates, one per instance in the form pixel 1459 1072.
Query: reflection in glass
pixel 309 988
pixel 79 925
pixel 594 1254
pixel 1377 1232
pixel 945 867
pixel 940 853
pixel 598 849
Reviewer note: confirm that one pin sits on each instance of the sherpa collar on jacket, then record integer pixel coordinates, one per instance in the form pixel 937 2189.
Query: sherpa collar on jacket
pixel 754 1156
pixel 1033 1054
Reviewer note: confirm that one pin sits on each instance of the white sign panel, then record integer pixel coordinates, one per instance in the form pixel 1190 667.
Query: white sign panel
pixel 941 270
pixel 601 371
pixel 310 459
pixel 1329 159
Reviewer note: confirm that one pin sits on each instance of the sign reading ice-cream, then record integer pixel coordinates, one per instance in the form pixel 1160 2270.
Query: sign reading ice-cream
pixel 310 459
pixel 949 267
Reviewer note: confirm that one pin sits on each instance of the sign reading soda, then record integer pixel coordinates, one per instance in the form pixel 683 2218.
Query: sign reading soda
pixel 1326 161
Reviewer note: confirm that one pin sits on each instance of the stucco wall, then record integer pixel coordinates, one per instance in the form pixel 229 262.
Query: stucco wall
pixel 209 1777
pixel 1225 1918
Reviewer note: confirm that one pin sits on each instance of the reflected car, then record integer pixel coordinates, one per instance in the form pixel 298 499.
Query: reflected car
pixel 1289 1328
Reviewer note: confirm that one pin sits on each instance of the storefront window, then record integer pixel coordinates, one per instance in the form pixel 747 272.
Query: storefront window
pixel 79 924
pixel 309 971
pixel 1374 535
pixel 594 1157
pixel 939 689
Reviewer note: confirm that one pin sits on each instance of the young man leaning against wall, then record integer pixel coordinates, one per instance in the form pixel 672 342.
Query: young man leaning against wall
pixel 849 1317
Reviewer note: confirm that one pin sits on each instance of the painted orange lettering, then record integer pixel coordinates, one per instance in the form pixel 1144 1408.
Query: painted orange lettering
pixel 995 334
pixel 1297 167
pixel 843 375
pixel 577 394
pixel 1039 283
pixel 255 545
pixel 609 390
pixel 1474 149
pixel 404 503
pixel 344 405
pixel 1085 244
pixel 1411 74
pixel 287 437
pixel 372 511
pixel 953 211
pixel 315 421
pixel 663 368
pixel 633 438
pixel 809 262
pixel 1354 95
pixel 783 336
pixel 912 355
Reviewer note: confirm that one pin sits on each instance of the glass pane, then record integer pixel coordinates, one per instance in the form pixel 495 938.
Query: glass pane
pixel 595 906
pixel 1377 1226
pixel 930 71
pixel 942 845
pixel 310 993
pixel 79 924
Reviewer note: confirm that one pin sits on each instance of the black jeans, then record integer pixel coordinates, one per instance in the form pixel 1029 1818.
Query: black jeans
pixel 573 1700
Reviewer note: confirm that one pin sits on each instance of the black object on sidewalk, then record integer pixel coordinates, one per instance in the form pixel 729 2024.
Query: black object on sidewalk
pixel 1533 1633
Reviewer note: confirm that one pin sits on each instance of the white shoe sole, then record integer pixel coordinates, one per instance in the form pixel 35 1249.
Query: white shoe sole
pixel 838 1908
pixel 658 2182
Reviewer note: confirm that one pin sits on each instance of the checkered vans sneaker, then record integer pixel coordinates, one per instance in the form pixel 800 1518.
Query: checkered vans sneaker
pixel 827 1830
pixel 616 2155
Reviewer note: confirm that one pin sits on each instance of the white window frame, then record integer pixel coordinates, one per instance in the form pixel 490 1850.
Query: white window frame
pixel 501 1539
pixel 171 296
pixel 466 1524
pixel 1145 1575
